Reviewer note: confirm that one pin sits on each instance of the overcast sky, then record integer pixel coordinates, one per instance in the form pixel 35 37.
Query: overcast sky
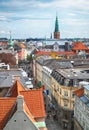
pixel 36 18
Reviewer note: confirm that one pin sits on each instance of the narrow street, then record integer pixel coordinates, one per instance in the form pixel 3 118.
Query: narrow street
pixel 52 125
pixel 51 119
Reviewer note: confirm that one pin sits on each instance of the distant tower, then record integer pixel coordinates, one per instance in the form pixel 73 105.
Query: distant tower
pixel 51 36
pixel 10 41
pixel 56 32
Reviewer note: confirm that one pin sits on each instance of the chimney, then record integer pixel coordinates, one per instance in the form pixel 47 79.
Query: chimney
pixel 66 46
pixel 20 103
pixel 15 77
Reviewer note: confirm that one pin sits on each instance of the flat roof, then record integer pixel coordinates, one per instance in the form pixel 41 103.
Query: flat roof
pixel 74 73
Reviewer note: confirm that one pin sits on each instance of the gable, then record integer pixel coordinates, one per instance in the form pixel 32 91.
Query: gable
pixel 20 121
pixel 6 106
pixel 14 91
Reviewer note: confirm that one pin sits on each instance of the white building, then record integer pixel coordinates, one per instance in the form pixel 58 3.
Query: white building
pixel 81 109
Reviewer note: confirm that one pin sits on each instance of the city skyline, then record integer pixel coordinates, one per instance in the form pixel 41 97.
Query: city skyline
pixel 36 18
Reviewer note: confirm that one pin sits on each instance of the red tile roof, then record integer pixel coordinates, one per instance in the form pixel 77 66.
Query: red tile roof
pixel 79 92
pixel 22 45
pixel 79 46
pixel 6 105
pixel 33 98
pixel 15 90
pixel 26 109
pixel 35 102
pixel 49 53
pixel 33 105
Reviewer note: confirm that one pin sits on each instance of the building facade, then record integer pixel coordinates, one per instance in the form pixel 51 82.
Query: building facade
pixel 81 109
pixel 64 83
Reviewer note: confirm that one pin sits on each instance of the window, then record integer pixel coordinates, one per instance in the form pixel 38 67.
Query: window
pixel 62 81
pixel 66 82
pixel 66 93
pixel 65 103
pixel 1 89
pixel 73 94
pixel 75 83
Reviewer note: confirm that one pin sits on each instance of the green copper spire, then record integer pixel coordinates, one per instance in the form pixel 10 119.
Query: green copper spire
pixel 56 25
pixel 10 41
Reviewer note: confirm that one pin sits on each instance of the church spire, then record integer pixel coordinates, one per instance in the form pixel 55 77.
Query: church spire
pixel 56 31
pixel 56 25
pixel 10 41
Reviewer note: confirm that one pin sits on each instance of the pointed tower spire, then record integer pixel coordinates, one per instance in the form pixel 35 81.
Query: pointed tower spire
pixel 56 25
pixel 56 31
pixel 10 41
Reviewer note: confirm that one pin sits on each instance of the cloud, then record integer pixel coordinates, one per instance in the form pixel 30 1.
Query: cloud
pixel 39 15
pixel 35 4
pixel 72 14
pixel 2 31
pixel 3 18
pixel 43 6
pixel 74 22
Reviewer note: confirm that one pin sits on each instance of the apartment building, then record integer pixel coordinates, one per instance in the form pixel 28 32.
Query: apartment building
pixel 81 109
pixel 61 78
pixel 38 66
pixel 63 84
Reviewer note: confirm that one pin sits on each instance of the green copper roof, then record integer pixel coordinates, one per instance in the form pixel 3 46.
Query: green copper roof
pixel 10 41
pixel 56 25
pixel 40 124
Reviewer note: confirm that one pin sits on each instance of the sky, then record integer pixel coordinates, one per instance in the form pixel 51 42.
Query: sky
pixel 36 18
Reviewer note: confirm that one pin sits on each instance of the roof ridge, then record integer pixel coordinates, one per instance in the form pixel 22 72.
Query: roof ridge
pixel 15 89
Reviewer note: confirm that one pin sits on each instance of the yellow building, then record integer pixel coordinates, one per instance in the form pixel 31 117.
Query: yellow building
pixel 38 67
pixel 63 84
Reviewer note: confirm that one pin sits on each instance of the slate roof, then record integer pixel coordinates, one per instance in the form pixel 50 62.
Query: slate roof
pixel 56 64
pixel 76 73
pixel 6 77
pixel 82 96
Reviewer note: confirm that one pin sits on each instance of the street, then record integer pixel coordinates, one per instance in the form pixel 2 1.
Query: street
pixel 51 119
pixel 52 124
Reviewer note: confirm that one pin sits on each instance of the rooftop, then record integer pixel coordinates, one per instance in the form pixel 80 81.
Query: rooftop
pixel 7 77
pixel 6 105
pixel 82 96
pixel 79 46
pixel 74 73
pixel 35 102
pixel 33 98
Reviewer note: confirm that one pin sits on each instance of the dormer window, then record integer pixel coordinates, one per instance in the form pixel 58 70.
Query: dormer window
pixel 75 83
